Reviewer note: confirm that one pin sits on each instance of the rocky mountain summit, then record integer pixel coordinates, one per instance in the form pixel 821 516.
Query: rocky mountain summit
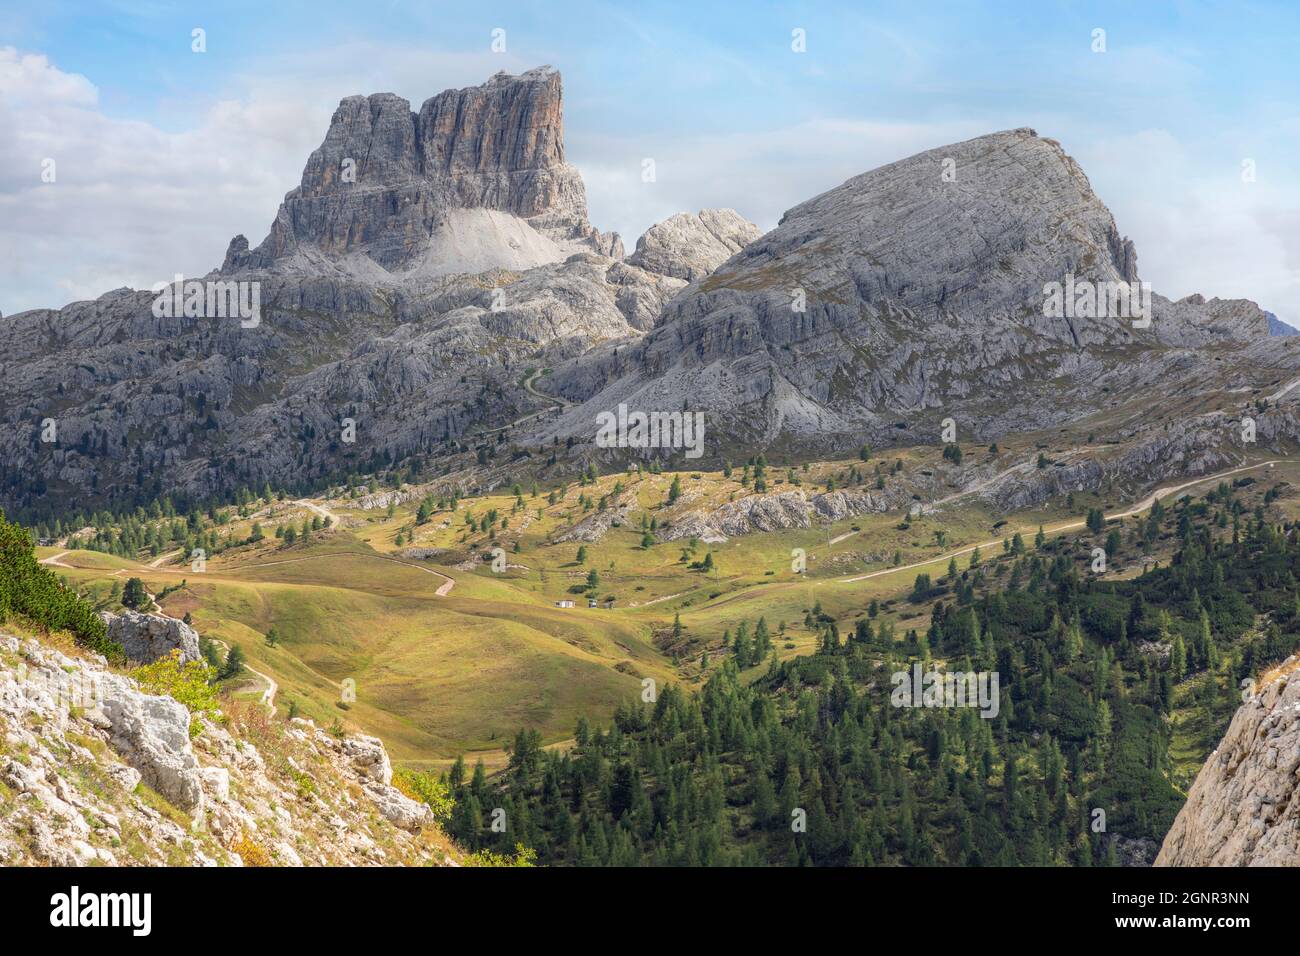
pixel 691 245
pixel 480 171
pixel 432 289
pixel 426 261
pixel 1277 327
pixel 1244 807
pixel 915 292
pixel 95 771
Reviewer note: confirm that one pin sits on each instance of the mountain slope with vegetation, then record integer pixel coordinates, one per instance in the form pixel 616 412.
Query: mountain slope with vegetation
pixel 100 765
pixel 1098 680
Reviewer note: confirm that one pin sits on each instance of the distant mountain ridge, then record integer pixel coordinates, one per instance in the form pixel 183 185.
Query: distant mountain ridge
pixel 1277 327
pixel 904 295
pixel 423 264
pixel 388 182
pixel 433 265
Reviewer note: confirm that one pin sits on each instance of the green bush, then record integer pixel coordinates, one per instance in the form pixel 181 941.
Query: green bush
pixel 427 789
pixel 523 856
pixel 35 591
pixel 189 683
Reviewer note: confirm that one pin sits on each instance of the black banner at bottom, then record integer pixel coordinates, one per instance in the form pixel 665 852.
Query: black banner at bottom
pixel 169 906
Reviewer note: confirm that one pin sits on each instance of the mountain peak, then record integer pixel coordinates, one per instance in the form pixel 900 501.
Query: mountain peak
pixel 916 288
pixel 691 245
pixel 387 182
pixel 543 72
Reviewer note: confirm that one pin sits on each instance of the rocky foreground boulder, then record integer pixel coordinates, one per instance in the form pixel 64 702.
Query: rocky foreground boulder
pixel 147 637
pixel 152 734
pixel 1244 807
pixel 95 771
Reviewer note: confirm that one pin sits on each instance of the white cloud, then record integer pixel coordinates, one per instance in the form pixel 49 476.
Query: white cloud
pixel 1196 225
pixel 132 204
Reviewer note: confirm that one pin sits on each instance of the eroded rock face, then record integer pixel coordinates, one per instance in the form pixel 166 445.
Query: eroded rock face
pixel 597 524
pixel 905 295
pixel 690 245
pixel 782 510
pixel 774 512
pixel 1244 807
pixel 147 637
pixel 307 797
pixel 399 186
pixel 368 755
pixel 153 736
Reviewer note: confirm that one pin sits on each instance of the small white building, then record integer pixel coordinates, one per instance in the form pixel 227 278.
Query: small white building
pixel 564 604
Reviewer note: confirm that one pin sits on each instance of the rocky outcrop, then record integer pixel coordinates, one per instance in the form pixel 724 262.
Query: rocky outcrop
pixel 152 734
pixel 147 637
pixel 782 510
pixel 79 744
pixel 476 179
pixel 597 524
pixel 1244 807
pixel 773 512
pixel 691 245
pixel 837 505
pixel 368 756
pixel 911 293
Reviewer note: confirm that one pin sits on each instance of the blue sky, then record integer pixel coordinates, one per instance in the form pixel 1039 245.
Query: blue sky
pixel 163 154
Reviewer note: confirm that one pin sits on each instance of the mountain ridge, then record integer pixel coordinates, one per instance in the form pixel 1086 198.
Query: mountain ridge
pixel 915 292
pixel 417 307
pixel 386 178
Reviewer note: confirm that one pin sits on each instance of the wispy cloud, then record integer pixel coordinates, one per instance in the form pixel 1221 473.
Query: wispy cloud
pixel 163 156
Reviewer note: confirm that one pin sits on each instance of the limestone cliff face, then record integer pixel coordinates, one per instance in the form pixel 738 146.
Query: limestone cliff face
pixel 691 245
pixel 912 292
pixel 423 263
pixel 388 182
pixel 1244 807
pixel 87 759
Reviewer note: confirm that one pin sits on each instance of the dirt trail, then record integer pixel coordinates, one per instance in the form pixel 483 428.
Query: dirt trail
pixel 268 695
pixel 555 400
pixel 1059 526
pixel 1150 499
pixel 334 520
pixel 955 496
pixel 528 386
pixel 448 582
pixel 666 597
pixel 1023 466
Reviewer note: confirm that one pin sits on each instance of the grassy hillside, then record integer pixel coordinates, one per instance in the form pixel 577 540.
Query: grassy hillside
pixel 439 675
pixel 1111 694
